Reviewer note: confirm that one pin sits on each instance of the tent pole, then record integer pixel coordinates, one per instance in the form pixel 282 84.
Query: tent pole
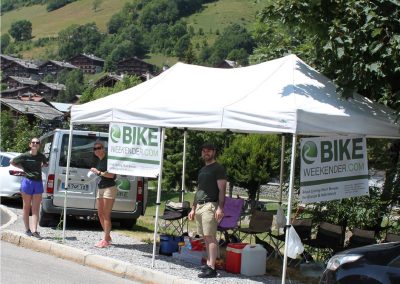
pixel 289 209
pixel 158 197
pixel 282 167
pixel 183 165
pixel 71 126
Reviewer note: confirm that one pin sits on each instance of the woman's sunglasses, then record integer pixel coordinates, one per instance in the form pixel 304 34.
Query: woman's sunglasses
pixel 97 148
pixel 35 142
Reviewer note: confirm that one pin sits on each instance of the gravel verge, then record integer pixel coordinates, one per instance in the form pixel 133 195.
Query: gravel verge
pixel 83 235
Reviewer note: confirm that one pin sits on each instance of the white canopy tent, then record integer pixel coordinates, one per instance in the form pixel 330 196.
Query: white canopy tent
pixel 279 96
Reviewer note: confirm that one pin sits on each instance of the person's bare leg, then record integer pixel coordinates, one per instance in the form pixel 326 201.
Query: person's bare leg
pixel 108 205
pixel 212 250
pixel 100 211
pixel 26 207
pixel 36 200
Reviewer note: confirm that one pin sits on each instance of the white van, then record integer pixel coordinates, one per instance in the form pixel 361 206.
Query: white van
pixel 132 191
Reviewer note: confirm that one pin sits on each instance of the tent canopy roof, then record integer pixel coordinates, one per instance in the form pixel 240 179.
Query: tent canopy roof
pixel 284 95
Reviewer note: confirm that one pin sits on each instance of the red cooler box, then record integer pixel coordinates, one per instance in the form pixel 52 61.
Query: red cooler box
pixel 233 258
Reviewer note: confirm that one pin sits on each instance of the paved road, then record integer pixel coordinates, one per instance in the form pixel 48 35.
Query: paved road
pixel 4 217
pixel 24 266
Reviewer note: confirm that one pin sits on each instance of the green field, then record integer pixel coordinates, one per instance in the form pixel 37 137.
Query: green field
pixel 48 24
pixel 218 15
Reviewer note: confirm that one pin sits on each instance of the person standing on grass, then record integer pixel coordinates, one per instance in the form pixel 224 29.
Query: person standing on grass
pixel 208 205
pixel 106 192
pixel 31 163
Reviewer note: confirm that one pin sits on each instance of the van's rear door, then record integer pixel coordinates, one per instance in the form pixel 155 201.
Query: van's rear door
pixel 126 196
pixel 81 188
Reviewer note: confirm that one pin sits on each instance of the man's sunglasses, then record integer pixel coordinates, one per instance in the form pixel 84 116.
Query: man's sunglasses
pixel 97 148
pixel 35 142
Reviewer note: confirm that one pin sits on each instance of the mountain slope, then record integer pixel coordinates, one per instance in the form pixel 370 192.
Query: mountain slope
pixel 48 24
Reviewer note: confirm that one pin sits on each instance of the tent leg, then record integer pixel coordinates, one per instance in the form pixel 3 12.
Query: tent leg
pixel 71 126
pixel 281 169
pixel 158 202
pixel 183 166
pixel 289 209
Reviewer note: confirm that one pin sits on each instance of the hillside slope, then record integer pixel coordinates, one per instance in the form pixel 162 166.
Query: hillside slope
pixel 48 24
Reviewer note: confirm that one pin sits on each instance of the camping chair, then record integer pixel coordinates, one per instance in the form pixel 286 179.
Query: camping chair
pixel 391 237
pixel 361 238
pixel 303 228
pixel 232 211
pixel 260 222
pixel 328 241
pixel 174 218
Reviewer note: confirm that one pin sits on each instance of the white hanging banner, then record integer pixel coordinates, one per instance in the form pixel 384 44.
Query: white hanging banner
pixel 134 150
pixel 333 168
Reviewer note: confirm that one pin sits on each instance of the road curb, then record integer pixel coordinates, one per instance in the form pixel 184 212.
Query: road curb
pixel 116 267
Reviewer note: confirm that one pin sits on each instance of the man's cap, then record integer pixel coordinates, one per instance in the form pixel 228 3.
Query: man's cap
pixel 209 145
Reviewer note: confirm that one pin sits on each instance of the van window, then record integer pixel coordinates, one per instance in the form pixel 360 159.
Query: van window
pixel 82 155
pixel 5 161
pixel 45 145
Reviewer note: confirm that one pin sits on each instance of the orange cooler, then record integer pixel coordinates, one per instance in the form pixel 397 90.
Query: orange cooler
pixel 233 257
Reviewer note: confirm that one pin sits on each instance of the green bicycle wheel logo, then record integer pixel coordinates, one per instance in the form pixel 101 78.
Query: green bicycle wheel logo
pixel 115 133
pixel 309 152
pixel 123 184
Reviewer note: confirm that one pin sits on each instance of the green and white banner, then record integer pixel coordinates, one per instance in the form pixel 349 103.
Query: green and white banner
pixel 134 150
pixel 333 168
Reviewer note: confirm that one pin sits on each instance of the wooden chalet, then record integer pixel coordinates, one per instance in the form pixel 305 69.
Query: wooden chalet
pixel 88 63
pixel 16 92
pixel 6 60
pixel 13 82
pixel 53 67
pixel 136 66
pixel 33 110
pixel 50 90
pixel 21 68
pixel 108 80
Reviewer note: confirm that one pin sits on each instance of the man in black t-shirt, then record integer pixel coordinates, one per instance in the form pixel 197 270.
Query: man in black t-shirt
pixel 208 205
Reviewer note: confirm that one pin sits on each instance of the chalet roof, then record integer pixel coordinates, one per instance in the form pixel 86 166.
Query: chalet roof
pixel 228 64
pixel 8 57
pixel 63 107
pixel 62 64
pixel 54 86
pixel 16 90
pixel 37 109
pixel 25 81
pixel 137 59
pixel 26 64
pixel 108 77
pixel 90 56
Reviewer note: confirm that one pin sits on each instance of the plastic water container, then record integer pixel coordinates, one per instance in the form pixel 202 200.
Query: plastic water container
pixel 234 257
pixel 169 244
pixel 254 260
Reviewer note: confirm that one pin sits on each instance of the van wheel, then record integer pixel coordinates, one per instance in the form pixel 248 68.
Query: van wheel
pixel 127 223
pixel 47 219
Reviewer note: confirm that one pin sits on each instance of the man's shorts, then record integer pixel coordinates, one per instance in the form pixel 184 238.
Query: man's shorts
pixel 205 219
pixel 108 192
pixel 31 187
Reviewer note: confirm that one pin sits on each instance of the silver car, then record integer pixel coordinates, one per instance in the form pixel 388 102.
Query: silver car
pixel 10 176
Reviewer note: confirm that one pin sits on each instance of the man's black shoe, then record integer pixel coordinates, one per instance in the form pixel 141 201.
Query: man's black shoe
pixel 204 267
pixel 208 273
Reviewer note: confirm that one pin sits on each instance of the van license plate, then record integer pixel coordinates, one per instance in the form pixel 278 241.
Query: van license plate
pixel 76 186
